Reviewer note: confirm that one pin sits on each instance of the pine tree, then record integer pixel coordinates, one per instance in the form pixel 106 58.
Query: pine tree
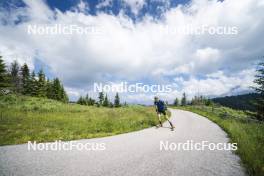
pixel 25 77
pixel 111 105
pixel 23 82
pixel 80 100
pixel 86 100
pixel 3 76
pixel 184 100
pixel 58 92
pixel 106 101
pixel 91 101
pixel 49 89
pixel 259 103
pixel 117 101
pixel 33 84
pixel 202 100
pixel 15 80
pixel 101 98
pixel 64 97
pixel 56 87
pixel 176 102
pixel 194 100
pixel 41 83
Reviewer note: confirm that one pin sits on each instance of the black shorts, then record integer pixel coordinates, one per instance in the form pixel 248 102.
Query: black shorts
pixel 162 112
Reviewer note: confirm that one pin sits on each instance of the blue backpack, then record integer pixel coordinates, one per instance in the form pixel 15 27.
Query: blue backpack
pixel 161 105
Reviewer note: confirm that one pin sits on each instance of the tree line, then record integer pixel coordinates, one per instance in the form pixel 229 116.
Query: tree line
pixel 197 100
pixel 241 102
pixel 20 80
pixel 103 100
pixel 182 102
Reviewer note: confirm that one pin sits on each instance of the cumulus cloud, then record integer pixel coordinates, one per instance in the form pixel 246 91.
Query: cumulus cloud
pixel 104 3
pixel 218 83
pixel 148 48
pixel 135 5
pixel 82 7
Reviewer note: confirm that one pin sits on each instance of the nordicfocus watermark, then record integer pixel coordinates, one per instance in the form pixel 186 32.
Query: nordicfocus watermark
pixel 125 87
pixel 64 29
pixel 199 30
pixel 190 145
pixel 65 146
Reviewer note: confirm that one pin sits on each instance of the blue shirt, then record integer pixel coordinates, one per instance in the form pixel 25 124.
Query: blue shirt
pixel 160 105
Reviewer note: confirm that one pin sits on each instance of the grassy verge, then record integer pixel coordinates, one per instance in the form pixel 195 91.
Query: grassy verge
pixel 249 135
pixel 25 119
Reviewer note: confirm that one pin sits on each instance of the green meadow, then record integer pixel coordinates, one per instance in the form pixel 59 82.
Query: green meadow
pixel 24 119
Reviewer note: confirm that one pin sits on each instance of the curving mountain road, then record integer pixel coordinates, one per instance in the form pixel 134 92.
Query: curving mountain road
pixel 136 153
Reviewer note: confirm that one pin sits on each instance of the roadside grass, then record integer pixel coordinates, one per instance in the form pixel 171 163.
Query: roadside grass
pixel 249 135
pixel 24 119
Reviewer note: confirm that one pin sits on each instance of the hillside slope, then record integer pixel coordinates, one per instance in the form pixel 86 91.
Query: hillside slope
pixel 240 102
pixel 25 119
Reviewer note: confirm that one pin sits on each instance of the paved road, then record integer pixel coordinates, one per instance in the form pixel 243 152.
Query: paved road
pixel 136 153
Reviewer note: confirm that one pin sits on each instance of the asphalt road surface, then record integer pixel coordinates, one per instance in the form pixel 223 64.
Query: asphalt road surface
pixel 137 153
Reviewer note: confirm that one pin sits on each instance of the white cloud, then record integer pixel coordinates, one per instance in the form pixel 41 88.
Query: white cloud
pixel 214 84
pixel 135 5
pixel 37 10
pixel 218 83
pixel 104 3
pixel 133 51
pixel 83 7
pixel 207 55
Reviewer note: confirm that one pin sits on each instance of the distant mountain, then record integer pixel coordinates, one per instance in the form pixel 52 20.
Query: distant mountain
pixel 240 102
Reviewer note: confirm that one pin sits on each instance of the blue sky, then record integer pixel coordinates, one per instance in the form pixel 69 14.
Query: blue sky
pixel 151 6
pixel 137 42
